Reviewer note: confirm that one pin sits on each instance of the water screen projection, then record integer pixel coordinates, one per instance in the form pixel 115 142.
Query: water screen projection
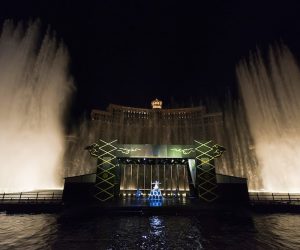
pixel 34 92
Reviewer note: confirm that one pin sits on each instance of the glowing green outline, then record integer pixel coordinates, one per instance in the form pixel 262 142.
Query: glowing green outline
pixel 128 150
pixel 211 153
pixel 185 151
pixel 100 153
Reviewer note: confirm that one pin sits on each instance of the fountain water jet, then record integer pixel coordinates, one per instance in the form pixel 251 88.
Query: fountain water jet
pixel 34 91
pixel 240 158
pixel 271 97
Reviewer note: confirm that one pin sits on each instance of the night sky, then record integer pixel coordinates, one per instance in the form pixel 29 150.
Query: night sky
pixel 129 52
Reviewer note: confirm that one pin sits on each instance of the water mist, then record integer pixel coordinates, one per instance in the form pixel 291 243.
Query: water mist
pixel 34 91
pixel 271 93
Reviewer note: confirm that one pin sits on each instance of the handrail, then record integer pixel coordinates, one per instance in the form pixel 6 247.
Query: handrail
pixel 274 197
pixel 31 197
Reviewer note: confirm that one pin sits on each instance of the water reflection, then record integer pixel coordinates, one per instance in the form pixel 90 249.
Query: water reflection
pixel 223 231
pixel 156 225
pixel 27 231
pixel 135 202
pixel 282 228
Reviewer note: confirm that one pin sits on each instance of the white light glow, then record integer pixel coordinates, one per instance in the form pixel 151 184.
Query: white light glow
pixel 34 91
pixel 271 96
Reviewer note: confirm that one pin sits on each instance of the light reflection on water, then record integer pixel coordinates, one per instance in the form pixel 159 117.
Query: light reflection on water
pixel 154 202
pixel 225 231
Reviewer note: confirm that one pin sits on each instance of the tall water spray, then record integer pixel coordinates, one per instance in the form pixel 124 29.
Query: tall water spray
pixel 240 158
pixel 34 91
pixel 271 94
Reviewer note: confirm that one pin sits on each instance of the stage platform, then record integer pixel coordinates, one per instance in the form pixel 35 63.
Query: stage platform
pixel 50 201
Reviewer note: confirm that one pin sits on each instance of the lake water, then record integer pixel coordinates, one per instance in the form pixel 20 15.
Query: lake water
pixel 224 231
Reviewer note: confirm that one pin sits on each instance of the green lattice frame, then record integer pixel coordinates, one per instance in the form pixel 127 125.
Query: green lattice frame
pixel 106 169
pixel 206 183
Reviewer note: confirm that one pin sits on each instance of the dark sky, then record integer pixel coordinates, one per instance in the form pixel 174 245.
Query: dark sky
pixel 129 52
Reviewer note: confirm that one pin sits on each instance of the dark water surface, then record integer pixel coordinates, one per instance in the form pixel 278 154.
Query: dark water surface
pixel 254 231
